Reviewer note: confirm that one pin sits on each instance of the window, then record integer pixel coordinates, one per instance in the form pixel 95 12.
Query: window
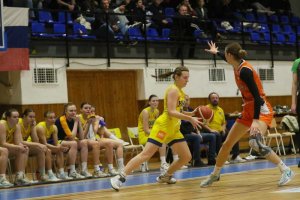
pixel 158 72
pixel 266 74
pixel 45 75
pixel 217 74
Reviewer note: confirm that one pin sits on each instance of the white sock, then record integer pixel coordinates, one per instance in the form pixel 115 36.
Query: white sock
pixel 61 171
pixel 112 136
pixel 72 168
pixel 175 157
pixel 84 166
pixel 50 172
pixel 110 167
pixel 121 163
pixel 282 166
pixel 20 174
pixel 42 171
pixel 96 168
pixel 217 170
pixel 163 159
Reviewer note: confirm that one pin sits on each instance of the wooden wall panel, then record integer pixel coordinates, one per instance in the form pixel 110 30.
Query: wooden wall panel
pixel 113 93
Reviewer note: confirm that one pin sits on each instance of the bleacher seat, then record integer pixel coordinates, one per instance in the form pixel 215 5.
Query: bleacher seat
pixel 198 34
pixel 250 17
pixel 39 30
pixel 278 38
pixel 262 18
pixel 274 18
pixel 152 34
pixel 62 17
pixel 59 30
pixel 135 34
pixel 295 20
pixel 79 31
pixel 255 37
pixel 45 16
pixel 287 29
pixel 166 34
pixel 276 28
pixel 284 19
pixel 170 12
pixel 291 39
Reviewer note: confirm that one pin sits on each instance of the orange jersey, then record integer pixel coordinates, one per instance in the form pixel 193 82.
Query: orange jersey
pixel 247 96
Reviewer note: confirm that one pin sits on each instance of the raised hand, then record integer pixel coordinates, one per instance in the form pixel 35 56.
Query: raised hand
pixel 213 49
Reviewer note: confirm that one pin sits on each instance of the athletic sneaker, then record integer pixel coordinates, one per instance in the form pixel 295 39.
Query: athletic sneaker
pixel 143 167
pixel 286 176
pixel 99 174
pixel 227 162
pixel 209 180
pixel 75 175
pixel 4 183
pixel 86 174
pixel 22 181
pixel 52 178
pixel 238 159
pixel 166 179
pixel 117 181
pixel 43 178
pixel 64 176
pixel 112 172
pixel 164 168
pixel 184 167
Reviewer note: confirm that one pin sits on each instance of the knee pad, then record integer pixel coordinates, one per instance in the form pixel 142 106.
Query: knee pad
pixel 255 143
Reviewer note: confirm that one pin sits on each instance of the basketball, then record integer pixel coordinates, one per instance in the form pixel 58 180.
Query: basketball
pixel 204 113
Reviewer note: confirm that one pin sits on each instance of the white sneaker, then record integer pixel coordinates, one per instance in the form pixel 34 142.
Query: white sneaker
pixel 86 174
pixel 184 167
pixel 112 172
pixel 143 167
pixel 75 175
pixel 99 174
pixel 43 178
pixel 117 181
pixel 250 157
pixel 64 176
pixel 238 159
pixel 286 176
pixel 164 168
pixel 4 183
pixel 227 162
pixel 52 178
pixel 166 179
pixel 22 181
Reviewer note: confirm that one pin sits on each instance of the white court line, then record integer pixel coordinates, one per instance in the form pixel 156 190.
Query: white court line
pixel 290 190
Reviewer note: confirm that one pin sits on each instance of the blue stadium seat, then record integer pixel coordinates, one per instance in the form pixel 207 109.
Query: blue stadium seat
pixel 250 17
pixel 198 34
pixel 45 17
pixel 284 19
pixel 295 20
pixel 262 18
pixel 135 34
pixel 39 30
pixel 152 34
pixel 62 17
pixel 274 18
pixel 166 34
pixel 288 29
pixel 276 28
pixel 59 30
pixel 264 28
pixel 266 38
pixel 291 39
pixel 170 12
pixel 79 31
pixel 255 37
pixel 279 38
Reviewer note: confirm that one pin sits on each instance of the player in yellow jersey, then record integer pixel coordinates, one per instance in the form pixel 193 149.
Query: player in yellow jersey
pixel 166 129
pixel 47 134
pixel 11 138
pixel 92 132
pixel 30 139
pixel 4 183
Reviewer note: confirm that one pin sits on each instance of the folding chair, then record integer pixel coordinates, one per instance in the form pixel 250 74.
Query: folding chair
pixel 277 136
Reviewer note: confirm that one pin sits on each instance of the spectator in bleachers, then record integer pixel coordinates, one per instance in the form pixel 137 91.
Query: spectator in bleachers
pixel 194 137
pixel 138 12
pixel 204 22
pixel 69 5
pixel 262 7
pixel 190 10
pixel 183 29
pixel 159 20
pixel 11 138
pixel 99 26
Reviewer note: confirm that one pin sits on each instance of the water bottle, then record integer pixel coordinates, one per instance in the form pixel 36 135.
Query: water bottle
pixel 102 123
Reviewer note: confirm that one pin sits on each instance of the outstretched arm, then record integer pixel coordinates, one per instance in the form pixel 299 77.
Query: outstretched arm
pixel 213 49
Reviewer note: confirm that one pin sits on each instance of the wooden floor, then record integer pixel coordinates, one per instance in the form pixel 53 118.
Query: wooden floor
pixel 254 185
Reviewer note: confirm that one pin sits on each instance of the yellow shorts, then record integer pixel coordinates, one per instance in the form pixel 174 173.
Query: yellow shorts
pixel 165 135
pixel 143 138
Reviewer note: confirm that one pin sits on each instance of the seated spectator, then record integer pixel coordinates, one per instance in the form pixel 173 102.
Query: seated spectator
pixel 217 126
pixel 190 10
pixel 195 138
pixel 100 26
pixel 159 20
pixel 47 135
pixel 11 138
pixel 69 5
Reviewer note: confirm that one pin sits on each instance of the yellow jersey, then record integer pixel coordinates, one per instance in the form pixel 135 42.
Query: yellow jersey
pixel 153 114
pixel 9 132
pixel 25 132
pixel 218 120
pixel 48 131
